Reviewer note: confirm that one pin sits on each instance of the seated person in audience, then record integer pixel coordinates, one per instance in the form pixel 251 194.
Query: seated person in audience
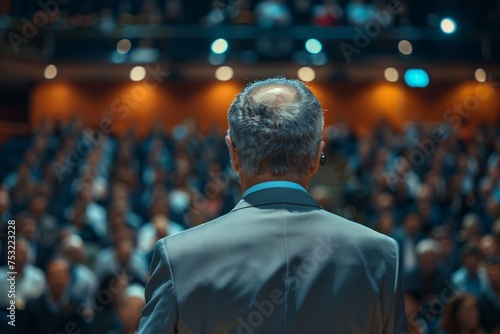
pixel 489 302
pixel 471 230
pixel 461 316
pixel 30 280
pixel 159 227
pixel 106 303
pixel 469 278
pixel 427 278
pixel 46 231
pixel 408 236
pixel 83 281
pixel 130 309
pixel 54 311
pixel 448 258
pixel 122 257
pixel 80 225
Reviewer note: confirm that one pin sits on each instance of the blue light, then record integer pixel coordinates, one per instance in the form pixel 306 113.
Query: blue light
pixel 313 46
pixel 417 78
pixel 448 25
pixel 219 46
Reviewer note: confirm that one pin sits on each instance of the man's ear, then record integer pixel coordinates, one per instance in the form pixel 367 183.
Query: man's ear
pixel 315 166
pixel 233 155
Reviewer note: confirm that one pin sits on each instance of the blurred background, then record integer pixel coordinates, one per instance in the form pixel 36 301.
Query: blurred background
pixel 112 118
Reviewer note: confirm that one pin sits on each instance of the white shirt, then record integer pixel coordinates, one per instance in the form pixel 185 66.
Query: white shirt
pixel 31 285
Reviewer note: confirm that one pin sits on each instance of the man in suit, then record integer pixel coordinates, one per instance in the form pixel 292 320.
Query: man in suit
pixel 277 263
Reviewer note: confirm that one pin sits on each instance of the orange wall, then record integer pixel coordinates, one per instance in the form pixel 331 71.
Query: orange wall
pixel 361 104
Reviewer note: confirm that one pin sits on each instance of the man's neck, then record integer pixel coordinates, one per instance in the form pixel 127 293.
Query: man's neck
pixel 247 182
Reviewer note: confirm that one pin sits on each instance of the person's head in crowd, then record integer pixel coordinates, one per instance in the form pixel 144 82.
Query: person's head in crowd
pixel 412 224
pixel 78 216
pixel 38 206
pixel 385 223
pixel 123 251
pixel 493 205
pixel 120 192
pixel 471 229
pixel 488 245
pixel 159 206
pixel 130 308
pixel 275 132
pixel 85 196
pixel 122 232
pixel 444 237
pixel 160 223
pixel 461 315
pixel 470 259
pixel 4 200
pixel 424 194
pixel 428 252
pixel 493 273
pixel 73 248
pixel 23 172
pixel 44 189
pixel 58 277
pixel 26 226
pixel 23 254
pixel 383 201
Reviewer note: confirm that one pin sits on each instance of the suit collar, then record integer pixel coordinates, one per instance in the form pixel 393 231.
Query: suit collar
pixel 276 196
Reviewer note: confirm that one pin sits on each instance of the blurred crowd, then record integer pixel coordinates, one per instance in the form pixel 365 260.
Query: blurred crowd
pixel 263 13
pixel 435 189
pixel 89 207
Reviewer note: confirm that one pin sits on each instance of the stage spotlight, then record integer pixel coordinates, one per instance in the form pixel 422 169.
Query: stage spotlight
pixel 313 46
pixel 50 71
pixel 306 74
pixel 405 47
pixel 137 73
pixel 448 25
pixel 391 74
pixel 224 73
pixel 123 46
pixel 480 75
pixel 416 78
pixel 219 46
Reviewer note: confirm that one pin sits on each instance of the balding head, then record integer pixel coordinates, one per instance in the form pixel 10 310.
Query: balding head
pixel 275 127
pixel 276 96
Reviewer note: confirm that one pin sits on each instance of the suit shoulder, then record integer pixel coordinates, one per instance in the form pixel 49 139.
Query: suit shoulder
pixel 362 235
pixel 209 229
pixel 355 227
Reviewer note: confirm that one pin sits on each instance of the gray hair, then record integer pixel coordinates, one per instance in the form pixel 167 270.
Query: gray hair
pixel 280 136
pixel 428 245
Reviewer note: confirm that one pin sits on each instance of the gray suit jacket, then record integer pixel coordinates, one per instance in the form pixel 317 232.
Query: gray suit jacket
pixel 277 263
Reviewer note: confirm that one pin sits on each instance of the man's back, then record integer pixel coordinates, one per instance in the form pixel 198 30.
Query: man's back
pixel 277 263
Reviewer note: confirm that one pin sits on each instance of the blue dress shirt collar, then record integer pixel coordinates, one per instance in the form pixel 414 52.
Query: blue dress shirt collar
pixel 273 184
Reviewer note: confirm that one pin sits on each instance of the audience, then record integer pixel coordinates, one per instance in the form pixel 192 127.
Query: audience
pixel 92 229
